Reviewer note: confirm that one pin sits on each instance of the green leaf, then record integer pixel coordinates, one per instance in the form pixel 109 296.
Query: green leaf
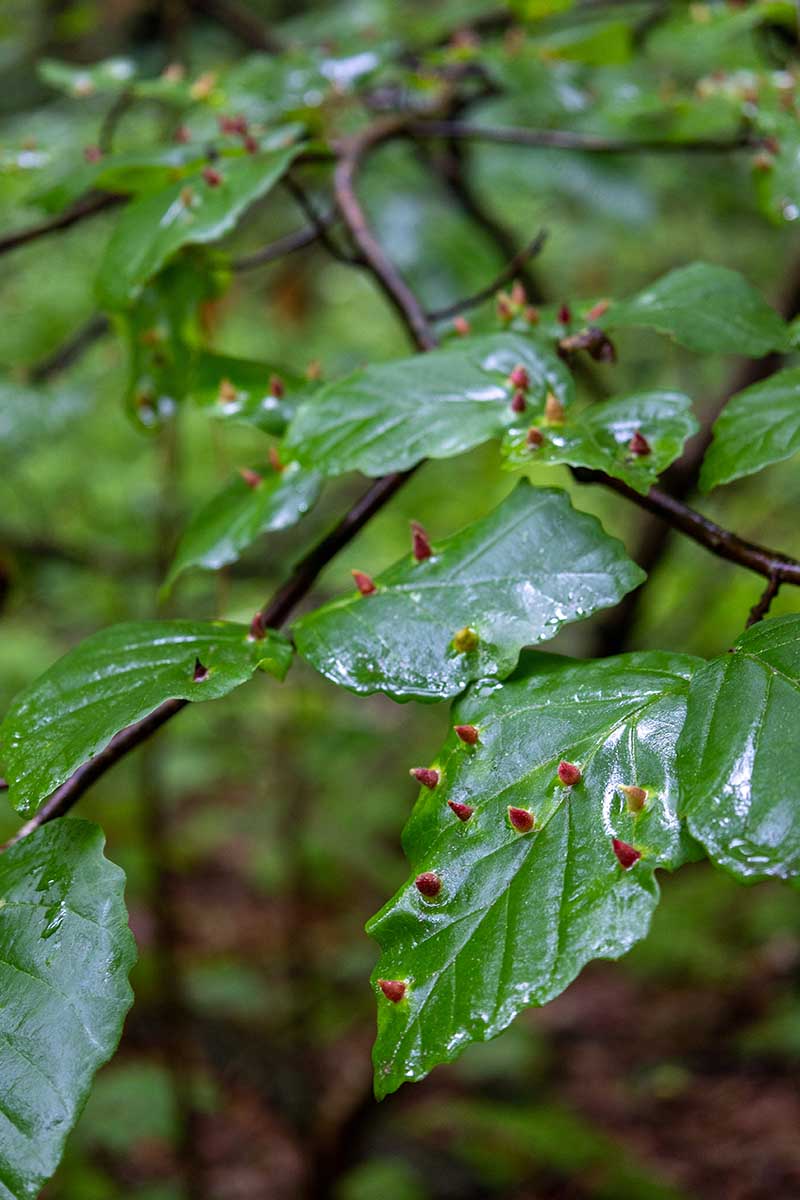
pixel 191 211
pixel 65 954
pixel 706 308
pixel 243 390
pixel 116 677
pixel 739 757
pixel 236 516
pixel 511 579
pixel 599 437
pixel 110 75
pixel 758 426
pixel 519 915
pixel 390 416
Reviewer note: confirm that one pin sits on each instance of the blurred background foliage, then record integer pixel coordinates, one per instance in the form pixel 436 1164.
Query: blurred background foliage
pixel 259 834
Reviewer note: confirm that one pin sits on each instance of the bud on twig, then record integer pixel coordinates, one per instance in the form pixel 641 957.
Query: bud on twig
pixel 364 583
pixel 426 776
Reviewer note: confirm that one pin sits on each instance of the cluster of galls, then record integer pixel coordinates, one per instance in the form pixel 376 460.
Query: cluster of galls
pixel 522 820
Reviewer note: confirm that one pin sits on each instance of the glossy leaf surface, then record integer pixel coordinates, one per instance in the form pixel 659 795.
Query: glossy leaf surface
pixel 117 677
pixel 707 308
pixel 191 211
pixel 243 390
pixel 237 515
pixel 757 427
pixel 599 437
pixel 510 579
pixel 390 416
pixel 739 755
pixel 65 954
pixel 519 914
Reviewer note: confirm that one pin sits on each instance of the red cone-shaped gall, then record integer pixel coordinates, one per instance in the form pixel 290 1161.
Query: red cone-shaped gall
pixel 462 326
pixel 518 294
pixel 465 639
pixel 200 672
pixel 212 176
pixel 519 378
pixel 462 811
pixel 639 444
pixel 393 989
pixel 427 776
pixel 535 438
pixel 257 628
pixel 568 773
pixel 518 404
pixel 597 310
pixel 364 583
pixel 233 125
pixel 635 797
pixel 505 309
pixel 564 315
pixel 626 854
pixel 532 315
pixel 227 392
pixel 420 542
pixel 250 144
pixel 521 819
pixel 277 387
pixel 428 884
pixel 251 478
pixel 467 733
pixel 275 459
pixel 553 409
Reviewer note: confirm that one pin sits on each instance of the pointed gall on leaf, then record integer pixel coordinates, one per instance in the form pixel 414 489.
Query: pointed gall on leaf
pixel 227 392
pixel 519 378
pixel 626 854
pixel 428 884
pixel 212 176
pixel 568 773
pixel 420 542
pixel 314 370
pixel 275 459
pixel 462 811
pixel 564 315
pixel 639 444
pixel 250 144
pixel 532 315
pixel 635 796
pixel 521 819
pixel 393 989
pixel 518 294
pixel 467 733
pixel 251 478
pixel 461 326
pixel 553 409
pixel 535 438
pixel 187 197
pixel 597 310
pixel 518 404
pixel 200 672
pixel 257 628
pixel 426 776
pixel 465 640
pixel 364 583
pixel 277 387
pixel 505 309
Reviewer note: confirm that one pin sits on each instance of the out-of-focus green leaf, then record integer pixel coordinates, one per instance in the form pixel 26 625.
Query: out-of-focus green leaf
pixel 65 954
pixel 519 914
pixel 510 579
pixel 241 389
pixel 758 426
pixel 200 209
pixel 600 437
pixel 739 759
pixel 390 416
pixel 110 75
pixel 707 308
pixel 236 516
pixel 114 678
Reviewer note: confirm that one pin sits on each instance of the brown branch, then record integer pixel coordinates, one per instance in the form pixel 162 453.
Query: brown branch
pixel 760 610
pixel 87 206
pixel 509 271
pixel 239 21
pixel 70 350
pixel 320 223
pixel 280 248
pixel 568 139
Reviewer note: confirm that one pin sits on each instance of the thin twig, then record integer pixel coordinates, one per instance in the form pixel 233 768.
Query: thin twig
pixel 240 22
pixel 509 271
pixel 71 350
pixel 568 139
pixel 319 222
pixel 280 248
pixel 87 206
pixel 760 610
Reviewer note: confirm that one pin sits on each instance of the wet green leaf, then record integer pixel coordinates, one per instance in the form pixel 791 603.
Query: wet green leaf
pixel 110 75
pixel 250 392
pixel 237 515
pixel 758 426
pixel 191 211
pixel 65 954
pixel 390 416
pixel 116 677
pixel 520 914
pixel 739 757
pixel 510 579
pixel 600 436
pixel 707 308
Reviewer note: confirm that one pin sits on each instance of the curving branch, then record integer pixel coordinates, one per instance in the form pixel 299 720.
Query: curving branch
pixel 509 271
pixel 568 139
pixel 87 206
